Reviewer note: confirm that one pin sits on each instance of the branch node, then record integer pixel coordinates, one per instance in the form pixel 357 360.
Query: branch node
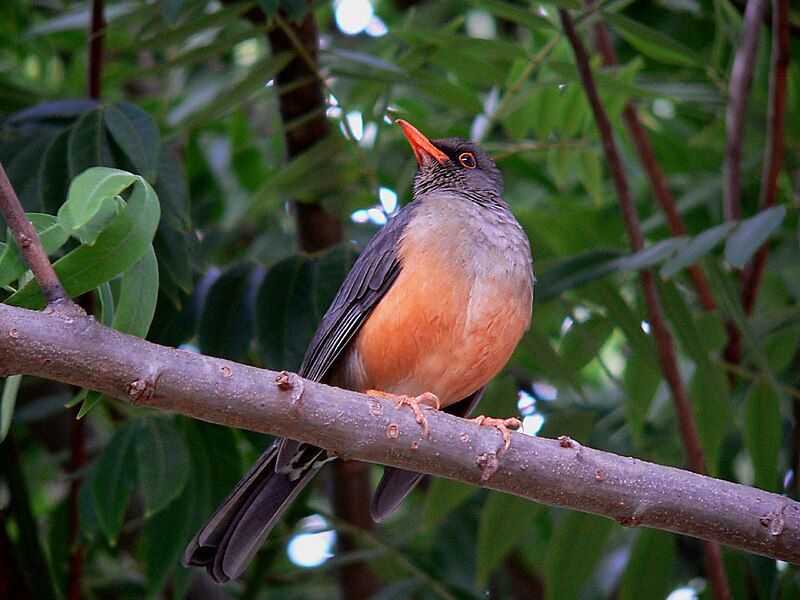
pixel 287 381
pixel 415 446
pixel 13 333
pixel 392 431
pixel 566 442
pixel 600 475
pixel 375 407
pixel 226 371
pixel 464 437
pixel 775 521
pixel 62 307
pixel 142 390
pixel 488 464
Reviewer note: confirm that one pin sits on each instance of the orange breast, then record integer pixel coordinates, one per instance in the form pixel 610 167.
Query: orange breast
pixel 444 326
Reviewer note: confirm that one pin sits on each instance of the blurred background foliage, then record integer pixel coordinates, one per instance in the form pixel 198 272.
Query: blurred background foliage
pixel 194 104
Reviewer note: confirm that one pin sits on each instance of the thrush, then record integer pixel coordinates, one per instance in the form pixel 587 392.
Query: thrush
pixel 431 310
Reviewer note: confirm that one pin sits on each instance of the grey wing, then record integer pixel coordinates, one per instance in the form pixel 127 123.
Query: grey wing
pixel 372 275
pixel 396 483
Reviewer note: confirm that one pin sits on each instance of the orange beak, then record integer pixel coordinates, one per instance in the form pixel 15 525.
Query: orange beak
pixel 420 144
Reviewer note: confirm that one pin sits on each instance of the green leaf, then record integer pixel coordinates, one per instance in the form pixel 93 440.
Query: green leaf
pixel 591 171
pixel 163 463
pixel 577 545
pixel 93 201
pixel 505 521
pixel 106 298
pixel 696 248
pixel 235 93
pixel 575 271
pixel 88 144
pixel 89 400
pixel 7 401
pixel 641 380
pixel 52 236
pixel 290 303
pixel 442 498
pixel 138 294
pixel 213 469
pixel 751 233
pixel 762 434
pixel 199 21
pixel 538 354
pixel 173 191
pixel 116 249
pixel 652 255
pixel 652 43
pixel 136 133
pixel 583 341
pixel 53 176
pixel 226 325
pixel 709 391
pixel 514 13
pixel 114 480
pixel 730 304
pixel 648 575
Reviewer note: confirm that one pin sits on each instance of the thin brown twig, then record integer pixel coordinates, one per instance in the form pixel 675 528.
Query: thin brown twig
pixel 654 173
pixel 655 313
pixel 31 247
pixel 773 152
pixel 96 39
pixel 794 29
pixel 739 90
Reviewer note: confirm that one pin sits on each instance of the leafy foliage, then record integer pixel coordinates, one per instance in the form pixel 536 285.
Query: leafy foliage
pixel 168 205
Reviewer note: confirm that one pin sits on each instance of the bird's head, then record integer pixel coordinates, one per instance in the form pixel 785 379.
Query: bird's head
pixel 453 165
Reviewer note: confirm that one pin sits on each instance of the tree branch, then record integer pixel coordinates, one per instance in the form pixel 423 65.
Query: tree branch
pixel 32 250
pixel 654 173
pixel 739 90
pixel 316 228
pixel 95 68
pixel 773 153
pixel 81 351
pixel 655 313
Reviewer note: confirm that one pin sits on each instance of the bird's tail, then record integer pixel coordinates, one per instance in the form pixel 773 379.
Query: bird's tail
pixel 230 539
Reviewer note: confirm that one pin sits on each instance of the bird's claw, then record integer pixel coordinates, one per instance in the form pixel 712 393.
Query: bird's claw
pixel 501 425
pixel 414 402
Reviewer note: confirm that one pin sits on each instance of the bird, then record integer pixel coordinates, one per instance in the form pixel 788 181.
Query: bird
pixel 430 311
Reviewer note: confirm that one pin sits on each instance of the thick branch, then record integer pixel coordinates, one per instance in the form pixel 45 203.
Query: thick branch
pixel 655 313
pixel 80 351
pixel 773 153
pixel 739 90
pixel 31 247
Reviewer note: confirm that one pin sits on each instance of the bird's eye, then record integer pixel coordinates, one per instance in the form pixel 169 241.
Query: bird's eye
pixel 467 159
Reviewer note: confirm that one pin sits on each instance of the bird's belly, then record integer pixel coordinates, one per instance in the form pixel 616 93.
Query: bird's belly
pixel 440 332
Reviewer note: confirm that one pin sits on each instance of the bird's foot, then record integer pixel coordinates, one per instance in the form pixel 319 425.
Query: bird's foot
pixel 414 402
pixel 501 425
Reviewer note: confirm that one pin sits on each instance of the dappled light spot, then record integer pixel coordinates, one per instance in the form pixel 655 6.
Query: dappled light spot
pixel 353 16
pixel 314 545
